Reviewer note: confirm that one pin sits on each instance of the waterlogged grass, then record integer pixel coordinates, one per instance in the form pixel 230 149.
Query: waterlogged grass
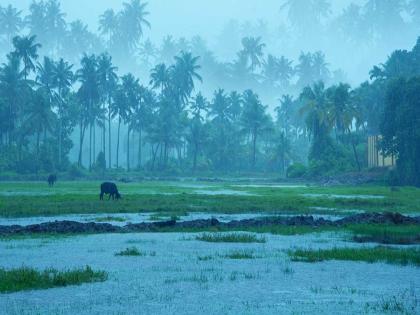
pixel 240 254
pixel 376 254
pixel 386 234
pixel 109 219
pixel 130 251
pixel 176 199
pixel 230 238
pixel 26 278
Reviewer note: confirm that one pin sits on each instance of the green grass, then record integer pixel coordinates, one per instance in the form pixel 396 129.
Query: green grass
pixel 230 238
pixel 170 197
pixel 386 234
pixel 130 251
pixel 24 278
pixel 240 254
pixel 376 254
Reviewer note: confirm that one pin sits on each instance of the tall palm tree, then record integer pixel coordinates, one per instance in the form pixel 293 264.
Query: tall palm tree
pixel 55 24
pixel 13 87
pixel 130 87
pixel 254 120
pixel 40 116
pixel 27 50
pixel 63 79
pixel 11 22
pixel 198 106
pixel 132 21
pixel 184 73
pixel 108 79
pixel 252 49
pixel 147 52
pixel 284 113
pixel 89 94
pixel 317 119
pixel 108 25
pixel 159 77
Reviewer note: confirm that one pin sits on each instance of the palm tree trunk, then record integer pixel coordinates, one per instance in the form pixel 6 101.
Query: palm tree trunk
pixel 60 128
pixel 37 143
pixel 140 149
pixel 195 157
pixel 90 146
pixel 356 157
pixel 94 143
pixel 109 137
pixel 82 137
pixel 254 149
pixel 118 137
pixel 104 137
pixel 128 148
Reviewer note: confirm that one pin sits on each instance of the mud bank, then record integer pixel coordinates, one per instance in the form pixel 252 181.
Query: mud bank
pixel 72 227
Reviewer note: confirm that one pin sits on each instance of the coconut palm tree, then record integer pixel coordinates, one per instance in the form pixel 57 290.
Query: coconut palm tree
pixel 27 50
pixel 198 107
pixel 40 117
pixel 184 73
pixel 13 88
pixel 90 95
pixel 108 79
pixel 108 25
pixel 252 49
pixel 254 120
pixel 159 77
pixel 132 21
pixel 11 22
pixel 63 79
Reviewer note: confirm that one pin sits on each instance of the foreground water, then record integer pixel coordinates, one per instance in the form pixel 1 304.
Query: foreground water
pixel 180 275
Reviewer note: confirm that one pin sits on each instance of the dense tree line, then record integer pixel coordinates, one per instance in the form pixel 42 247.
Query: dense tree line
pixel 164 122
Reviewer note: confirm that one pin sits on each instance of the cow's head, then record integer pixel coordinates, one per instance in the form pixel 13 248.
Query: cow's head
pixel 118 196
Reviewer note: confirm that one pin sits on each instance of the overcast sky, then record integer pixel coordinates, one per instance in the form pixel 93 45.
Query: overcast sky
pixel 181 17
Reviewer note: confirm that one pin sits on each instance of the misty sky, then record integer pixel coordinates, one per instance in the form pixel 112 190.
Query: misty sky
pixel 182 17
pixel 207 18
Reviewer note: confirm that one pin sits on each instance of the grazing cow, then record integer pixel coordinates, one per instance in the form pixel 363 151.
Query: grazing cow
pixel 109 189
pixel 52 179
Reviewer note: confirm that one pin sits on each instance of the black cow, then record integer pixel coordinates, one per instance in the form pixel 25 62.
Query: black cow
pixel 109 189
pixel 52 179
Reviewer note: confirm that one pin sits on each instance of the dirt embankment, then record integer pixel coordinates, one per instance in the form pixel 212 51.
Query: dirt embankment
pixel 72 227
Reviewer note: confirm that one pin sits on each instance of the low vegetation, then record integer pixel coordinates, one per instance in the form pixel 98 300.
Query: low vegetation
pixel 230 238
pixel 130 251
pixel 110 219
pixel 386 234
pixel 175 200
pixel 376 254
pixel 25 278
pixel 240 254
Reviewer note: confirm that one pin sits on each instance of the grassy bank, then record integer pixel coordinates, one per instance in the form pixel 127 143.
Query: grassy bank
pixel 370 255
pixel 24 278
pixel 19 199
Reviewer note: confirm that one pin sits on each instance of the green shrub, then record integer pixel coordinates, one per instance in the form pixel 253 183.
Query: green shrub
pixel 296 170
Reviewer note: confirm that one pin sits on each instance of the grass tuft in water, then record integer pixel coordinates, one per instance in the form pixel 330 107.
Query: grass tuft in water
pixel 109 219
pixel 25 278
pixel 239 254
pixel 230 238
pixel 370 255
pixel 130 251
pixel 386 234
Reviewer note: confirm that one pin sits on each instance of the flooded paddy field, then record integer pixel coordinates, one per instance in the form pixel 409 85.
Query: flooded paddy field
pixel 179 274
pixel 195 272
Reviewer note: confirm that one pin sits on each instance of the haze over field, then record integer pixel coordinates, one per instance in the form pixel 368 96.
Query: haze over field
pixel 212 20
pixel 177 86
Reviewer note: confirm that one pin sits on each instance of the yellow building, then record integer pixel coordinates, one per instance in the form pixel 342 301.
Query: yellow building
pixel 376 158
